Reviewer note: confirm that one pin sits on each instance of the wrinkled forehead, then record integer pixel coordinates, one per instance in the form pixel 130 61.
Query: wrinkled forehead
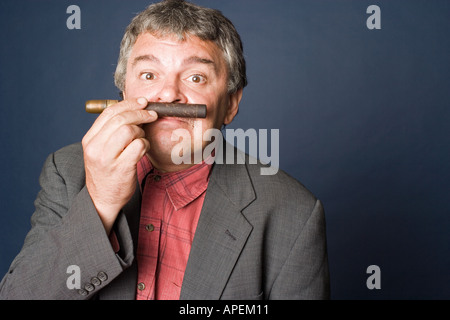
pixel 148 44
pixel 179 37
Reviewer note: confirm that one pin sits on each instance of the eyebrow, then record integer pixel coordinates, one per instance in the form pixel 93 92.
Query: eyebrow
pixel 195 59
pixel 146 57
pixel 190 60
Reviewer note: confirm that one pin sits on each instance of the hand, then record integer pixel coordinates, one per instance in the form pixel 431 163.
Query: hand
pixel 112 148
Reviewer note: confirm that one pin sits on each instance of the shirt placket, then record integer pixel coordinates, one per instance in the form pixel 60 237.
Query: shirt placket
pixel 149 240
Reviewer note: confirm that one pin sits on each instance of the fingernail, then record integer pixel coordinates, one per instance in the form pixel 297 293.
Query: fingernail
pixel 152 113
pixel 142 101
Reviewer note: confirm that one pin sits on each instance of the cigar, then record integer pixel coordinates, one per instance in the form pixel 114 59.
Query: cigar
pixel 181 110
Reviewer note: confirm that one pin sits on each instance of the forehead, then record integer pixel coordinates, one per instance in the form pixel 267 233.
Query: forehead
pixel 172 48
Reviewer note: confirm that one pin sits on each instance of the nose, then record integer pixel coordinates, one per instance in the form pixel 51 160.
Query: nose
pixel 171 91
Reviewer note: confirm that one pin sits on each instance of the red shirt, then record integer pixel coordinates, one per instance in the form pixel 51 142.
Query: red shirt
pixel 171 205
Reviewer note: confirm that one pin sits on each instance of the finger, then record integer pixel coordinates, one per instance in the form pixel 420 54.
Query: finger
pixel 134 152
pixel 121 138
pixel 125 105
pixel 111 112
pixel 112 127
pixel 135 117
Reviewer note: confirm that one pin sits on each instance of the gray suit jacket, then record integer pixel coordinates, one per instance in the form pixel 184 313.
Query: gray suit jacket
pixel 258 237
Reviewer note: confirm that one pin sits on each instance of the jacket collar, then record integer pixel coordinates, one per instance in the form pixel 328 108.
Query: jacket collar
pixel 221 233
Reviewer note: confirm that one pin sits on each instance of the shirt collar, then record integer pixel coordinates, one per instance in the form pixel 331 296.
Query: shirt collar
pixel 182 187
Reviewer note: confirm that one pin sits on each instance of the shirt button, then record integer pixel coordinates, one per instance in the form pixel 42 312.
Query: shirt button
pixel 141 286
pixel 157 178
pixel 150 227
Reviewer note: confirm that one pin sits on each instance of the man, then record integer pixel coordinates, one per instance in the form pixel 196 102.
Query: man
pixel 117 212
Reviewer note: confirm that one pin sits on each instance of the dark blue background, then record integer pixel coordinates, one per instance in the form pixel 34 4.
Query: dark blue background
pixel 363 118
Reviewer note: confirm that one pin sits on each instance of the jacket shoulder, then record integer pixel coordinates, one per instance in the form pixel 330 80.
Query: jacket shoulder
pixel 73 151
pixel 69 157
pixel 281 189
pixel 65 166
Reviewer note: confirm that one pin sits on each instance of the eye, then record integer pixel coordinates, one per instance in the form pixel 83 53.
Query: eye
pixel 148 76
pixel 196 78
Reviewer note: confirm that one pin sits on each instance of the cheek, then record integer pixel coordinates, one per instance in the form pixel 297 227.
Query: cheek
pixel 134 87
pixel 217 114
pixel 130 90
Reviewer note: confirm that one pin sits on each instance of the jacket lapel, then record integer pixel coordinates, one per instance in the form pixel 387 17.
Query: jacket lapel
pixel 221 234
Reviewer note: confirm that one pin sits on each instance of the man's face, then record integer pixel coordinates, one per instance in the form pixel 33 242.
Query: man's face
pixel 172 71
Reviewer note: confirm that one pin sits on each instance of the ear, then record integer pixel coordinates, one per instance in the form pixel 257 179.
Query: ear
pixel 233 107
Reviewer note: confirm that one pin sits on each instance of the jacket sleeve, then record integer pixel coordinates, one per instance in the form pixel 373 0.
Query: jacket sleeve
pixel 305 274
pixel 67 253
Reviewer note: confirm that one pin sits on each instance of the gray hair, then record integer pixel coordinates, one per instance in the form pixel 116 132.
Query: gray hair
pixel 184 19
